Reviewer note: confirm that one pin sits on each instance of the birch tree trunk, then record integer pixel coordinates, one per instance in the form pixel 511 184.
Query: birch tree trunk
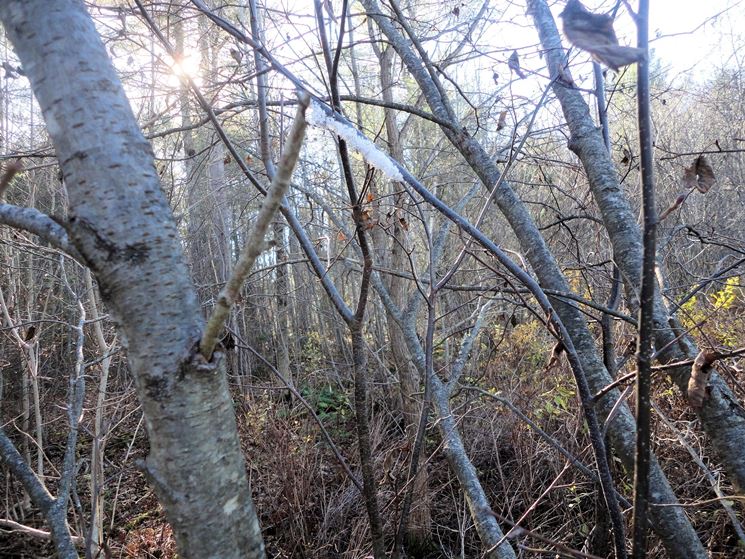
pixel 95 538
pixel 120 222
pixel 420 522
pixel 722 417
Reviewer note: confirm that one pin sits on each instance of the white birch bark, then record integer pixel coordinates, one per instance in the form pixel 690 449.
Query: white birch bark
pixel 122 226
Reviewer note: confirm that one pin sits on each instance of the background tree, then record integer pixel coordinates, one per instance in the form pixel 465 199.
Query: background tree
pixel 500 179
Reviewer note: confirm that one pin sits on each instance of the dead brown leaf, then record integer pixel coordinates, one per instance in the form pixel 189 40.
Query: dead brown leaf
pixel 502 120
pixel 513 62
pixel 594 33
pixel 700 175
pixel 700 374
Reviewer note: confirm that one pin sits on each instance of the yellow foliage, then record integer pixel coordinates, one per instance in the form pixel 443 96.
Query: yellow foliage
pixel 724 298
pixel 719 315
pixel 691 313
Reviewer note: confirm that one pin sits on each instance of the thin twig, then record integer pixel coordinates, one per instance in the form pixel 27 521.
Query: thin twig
pixel 709 476
pixel 13 526
pixel 254 244
pixel 559 547
pixel 647 295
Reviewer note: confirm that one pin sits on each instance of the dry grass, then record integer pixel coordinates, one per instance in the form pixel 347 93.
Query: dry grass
pixel 309 509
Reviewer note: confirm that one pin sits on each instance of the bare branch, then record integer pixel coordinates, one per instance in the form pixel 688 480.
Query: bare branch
pixel 41 225
pixel 254 244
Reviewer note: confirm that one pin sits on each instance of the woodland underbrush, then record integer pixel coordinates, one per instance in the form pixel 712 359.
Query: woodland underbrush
pixel 309 507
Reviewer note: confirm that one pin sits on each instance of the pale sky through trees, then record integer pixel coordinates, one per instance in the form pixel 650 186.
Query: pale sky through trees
pixel 426 273
pixel 685 34
pixel 690 33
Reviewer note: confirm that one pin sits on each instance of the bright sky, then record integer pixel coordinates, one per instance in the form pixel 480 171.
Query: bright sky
pixel 692 41
pixel 691 35
pixel 690 38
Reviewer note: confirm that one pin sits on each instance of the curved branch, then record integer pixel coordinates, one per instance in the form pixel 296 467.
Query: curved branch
pixel 41 225
pixel 253 248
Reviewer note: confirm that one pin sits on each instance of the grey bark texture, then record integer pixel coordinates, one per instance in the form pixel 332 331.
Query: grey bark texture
pixel 121 225
pixel 722 417
pixel 670 523
pixel 55 515
pixel 645 341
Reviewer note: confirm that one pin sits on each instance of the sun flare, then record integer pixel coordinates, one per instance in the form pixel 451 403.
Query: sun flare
pixel 184 66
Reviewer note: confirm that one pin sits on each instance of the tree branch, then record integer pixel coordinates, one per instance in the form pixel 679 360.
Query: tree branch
pixel 41 225
pixel 255 241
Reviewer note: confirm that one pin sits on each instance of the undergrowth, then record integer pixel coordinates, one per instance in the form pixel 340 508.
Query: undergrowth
pixel 310 509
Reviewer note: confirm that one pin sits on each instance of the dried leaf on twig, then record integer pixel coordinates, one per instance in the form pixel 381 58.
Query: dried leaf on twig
pixel 502 120
pixel 594 33
pixel 699 175
pixel 700 375
pixel 513 62
pixel 10 171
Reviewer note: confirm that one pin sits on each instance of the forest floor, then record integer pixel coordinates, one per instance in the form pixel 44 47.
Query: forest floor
pixel 309 509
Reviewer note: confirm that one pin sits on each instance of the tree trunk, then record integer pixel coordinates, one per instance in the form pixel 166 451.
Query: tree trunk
pixel 420 520
pixel 722 418
pixel 670 523
pixel 121 224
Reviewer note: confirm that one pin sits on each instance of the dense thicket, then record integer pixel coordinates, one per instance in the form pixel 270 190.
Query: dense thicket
pixel 402 362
